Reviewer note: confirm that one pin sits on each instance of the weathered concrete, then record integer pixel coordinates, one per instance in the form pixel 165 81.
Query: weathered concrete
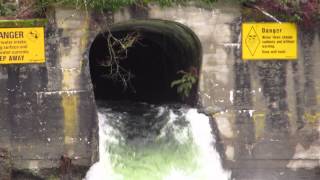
pixel 5 164
pixel 266 111
pixel 48 110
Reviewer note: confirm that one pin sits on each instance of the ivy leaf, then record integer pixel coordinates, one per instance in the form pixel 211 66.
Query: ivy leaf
pixel 180 89
pixel 185 83
pixel 176 82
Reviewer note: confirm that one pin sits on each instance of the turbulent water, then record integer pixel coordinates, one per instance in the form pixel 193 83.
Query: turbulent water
pixel 147 142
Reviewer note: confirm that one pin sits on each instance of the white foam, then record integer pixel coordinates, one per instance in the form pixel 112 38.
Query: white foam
pixel 199 129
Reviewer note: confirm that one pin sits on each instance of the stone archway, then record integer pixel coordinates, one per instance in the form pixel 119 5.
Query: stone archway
pixel 163 48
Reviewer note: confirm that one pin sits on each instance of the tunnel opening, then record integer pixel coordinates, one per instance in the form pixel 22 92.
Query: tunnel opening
pixel 158 52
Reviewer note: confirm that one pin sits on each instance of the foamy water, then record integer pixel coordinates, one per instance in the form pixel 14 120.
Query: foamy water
pixel 182 149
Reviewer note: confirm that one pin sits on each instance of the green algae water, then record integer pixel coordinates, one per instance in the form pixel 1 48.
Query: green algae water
pixel 147 142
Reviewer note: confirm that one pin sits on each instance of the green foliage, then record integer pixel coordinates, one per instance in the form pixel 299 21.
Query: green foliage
pixel 305 13
pixel 185 83
pixel 247 1
pixel 105 5
pixel 112 4
pixel 7 9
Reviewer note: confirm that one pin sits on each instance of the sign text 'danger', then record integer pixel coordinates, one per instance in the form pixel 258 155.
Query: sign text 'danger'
pixel 269 41
pixel 22 45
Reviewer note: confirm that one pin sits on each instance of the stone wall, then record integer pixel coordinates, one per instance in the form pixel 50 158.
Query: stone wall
pixel 48 110
pixel 266 111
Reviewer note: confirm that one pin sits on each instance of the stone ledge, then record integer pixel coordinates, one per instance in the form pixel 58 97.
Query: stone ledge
pixel 264 163
pixel 23 23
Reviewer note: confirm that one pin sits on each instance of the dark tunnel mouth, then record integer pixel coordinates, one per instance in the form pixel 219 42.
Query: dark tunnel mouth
pixel 162 50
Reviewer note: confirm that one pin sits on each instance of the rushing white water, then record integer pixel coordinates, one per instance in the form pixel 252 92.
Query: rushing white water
pixel 159 143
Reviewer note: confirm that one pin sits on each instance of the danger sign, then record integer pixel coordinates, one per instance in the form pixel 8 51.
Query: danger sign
pixel 22 45
pixel 263 41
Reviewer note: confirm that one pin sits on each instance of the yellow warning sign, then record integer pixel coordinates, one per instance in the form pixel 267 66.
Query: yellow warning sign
pixel 269 41
pixel 22 45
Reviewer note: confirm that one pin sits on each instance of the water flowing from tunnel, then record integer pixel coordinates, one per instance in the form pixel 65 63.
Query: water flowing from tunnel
pixel 147 142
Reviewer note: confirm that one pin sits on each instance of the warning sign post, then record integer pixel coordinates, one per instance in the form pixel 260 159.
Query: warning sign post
pixel 269 41
pixel 22 45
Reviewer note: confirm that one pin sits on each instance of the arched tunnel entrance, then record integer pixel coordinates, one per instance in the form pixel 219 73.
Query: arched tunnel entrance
pixel 144 60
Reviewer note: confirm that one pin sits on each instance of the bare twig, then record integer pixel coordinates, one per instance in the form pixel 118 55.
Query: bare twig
pixel 263 12
pixel 118 51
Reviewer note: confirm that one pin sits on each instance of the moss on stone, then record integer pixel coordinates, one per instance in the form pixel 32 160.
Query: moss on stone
pixel 23 23
pixel 116 4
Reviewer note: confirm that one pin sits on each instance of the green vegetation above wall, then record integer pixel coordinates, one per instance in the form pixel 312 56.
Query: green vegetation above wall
pixel 303 12
pixel 38 7
pixel 115 4
pixel 7 9
pixel 306 13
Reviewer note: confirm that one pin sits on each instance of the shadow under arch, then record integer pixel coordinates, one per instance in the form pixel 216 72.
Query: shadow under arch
pixel 163 49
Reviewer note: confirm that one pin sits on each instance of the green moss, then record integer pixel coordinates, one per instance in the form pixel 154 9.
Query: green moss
pixel 107 5
pixel 114 5
pixel 23 23
pixel 7 9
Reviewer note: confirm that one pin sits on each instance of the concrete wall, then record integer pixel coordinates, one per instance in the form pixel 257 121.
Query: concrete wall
pixel 266 112
pixel 48 110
